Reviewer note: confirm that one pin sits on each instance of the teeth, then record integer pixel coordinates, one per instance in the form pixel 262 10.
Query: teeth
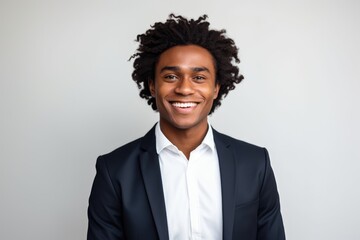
pixel 184 105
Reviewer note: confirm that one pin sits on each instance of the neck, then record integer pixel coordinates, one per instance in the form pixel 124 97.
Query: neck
pixel 186 140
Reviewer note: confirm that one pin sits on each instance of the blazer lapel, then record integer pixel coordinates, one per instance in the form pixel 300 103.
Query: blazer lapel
pixel 228 180
pixel 150 170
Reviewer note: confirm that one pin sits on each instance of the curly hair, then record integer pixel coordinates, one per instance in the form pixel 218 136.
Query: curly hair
pixel 178 30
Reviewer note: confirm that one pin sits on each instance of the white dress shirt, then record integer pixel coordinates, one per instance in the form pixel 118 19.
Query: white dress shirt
pixel 192 189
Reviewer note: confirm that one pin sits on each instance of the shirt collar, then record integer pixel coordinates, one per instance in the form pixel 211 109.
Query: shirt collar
pixel 162 142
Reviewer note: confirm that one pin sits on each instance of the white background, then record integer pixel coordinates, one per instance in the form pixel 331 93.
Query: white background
pixel 66 96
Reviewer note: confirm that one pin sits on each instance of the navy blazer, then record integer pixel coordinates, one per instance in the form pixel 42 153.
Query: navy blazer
pixel 127 201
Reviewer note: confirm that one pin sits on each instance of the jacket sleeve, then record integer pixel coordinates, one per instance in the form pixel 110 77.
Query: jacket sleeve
pixel 270 224
pixel 104 211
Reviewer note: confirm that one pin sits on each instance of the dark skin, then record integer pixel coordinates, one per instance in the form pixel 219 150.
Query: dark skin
pixel 184 88
pixel 185 141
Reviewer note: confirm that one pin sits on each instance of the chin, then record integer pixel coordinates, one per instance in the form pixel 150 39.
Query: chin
pixel 184 125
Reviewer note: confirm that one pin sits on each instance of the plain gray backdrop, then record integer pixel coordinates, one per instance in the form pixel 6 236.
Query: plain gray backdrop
pixel 66 96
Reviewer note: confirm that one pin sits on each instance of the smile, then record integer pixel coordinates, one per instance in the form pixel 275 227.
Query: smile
pixel 184 104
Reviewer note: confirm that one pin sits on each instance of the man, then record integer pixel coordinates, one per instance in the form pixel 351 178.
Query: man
pixel 184 180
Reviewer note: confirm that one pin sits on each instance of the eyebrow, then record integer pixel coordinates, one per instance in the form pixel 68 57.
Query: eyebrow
pixel 176 68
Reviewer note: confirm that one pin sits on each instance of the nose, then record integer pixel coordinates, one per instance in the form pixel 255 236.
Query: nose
pixel 185 87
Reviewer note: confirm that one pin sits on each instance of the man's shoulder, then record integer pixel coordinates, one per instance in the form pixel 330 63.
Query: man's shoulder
pixel 132 149
pixel 241 150
pixel 129 147
pixel 122 164
pixel 237 143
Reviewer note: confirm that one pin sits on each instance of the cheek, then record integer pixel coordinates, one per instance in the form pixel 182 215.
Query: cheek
pixel 210 92
pixel 163 90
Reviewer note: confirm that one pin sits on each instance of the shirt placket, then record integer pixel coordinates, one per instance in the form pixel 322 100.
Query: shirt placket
pixel 193 194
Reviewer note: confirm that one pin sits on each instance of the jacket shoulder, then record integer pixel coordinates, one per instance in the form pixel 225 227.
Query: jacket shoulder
pixel 228 140
pixel 124 149
pixel 129 153
pixel 243 152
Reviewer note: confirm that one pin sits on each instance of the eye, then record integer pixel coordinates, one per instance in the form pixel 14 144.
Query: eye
pixel 170 77
pixel 199 78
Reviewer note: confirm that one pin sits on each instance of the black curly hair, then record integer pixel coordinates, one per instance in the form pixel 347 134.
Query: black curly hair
pixel 178 30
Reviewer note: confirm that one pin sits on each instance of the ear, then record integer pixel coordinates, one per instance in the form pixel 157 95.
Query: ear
pixel 216 90
pixel 152 87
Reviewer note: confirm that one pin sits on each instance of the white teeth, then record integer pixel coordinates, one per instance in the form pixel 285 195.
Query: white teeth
pixel 184 105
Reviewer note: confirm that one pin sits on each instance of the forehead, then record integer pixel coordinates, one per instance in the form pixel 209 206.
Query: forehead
pixel 187 56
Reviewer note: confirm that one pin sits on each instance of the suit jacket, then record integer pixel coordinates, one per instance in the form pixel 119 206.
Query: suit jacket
pixel 127 201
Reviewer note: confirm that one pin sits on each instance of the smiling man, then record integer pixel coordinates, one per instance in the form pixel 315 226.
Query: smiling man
pixel 184 180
